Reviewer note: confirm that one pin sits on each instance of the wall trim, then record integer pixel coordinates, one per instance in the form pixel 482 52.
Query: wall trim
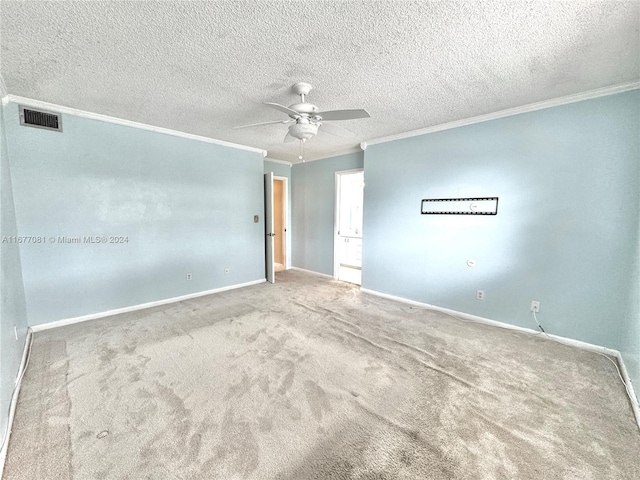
pixel 284 162
pixel 142 306
pixel 531 107
pixel 312 272
pixel 120 121
pixel 627 379
pixel 564 340
pixel 14 398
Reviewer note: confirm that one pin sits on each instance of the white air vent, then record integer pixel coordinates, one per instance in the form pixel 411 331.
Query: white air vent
pixel 40 119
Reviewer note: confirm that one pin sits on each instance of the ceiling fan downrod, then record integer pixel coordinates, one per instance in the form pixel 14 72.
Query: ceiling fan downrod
pixel 302 89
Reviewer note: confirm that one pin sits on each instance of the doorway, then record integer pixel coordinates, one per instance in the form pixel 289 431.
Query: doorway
pixel 348 226
pixel 279 223
pixel 275 206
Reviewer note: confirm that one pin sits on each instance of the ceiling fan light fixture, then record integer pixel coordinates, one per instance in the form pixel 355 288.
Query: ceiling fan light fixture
pixel 306 118
pixel 303 131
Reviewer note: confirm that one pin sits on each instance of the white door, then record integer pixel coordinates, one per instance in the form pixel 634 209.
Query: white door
pixel 348 240
pixel 268 226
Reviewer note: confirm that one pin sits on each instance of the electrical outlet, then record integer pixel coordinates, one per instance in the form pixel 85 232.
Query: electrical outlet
pixel 226 270
pixel 188 276
pixel 479 294
pixel 535 306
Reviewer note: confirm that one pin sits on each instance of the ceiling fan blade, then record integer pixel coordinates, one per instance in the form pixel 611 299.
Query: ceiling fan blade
pixel 288 138
pixel 263 123
pixel 282 108
pixel 336 130
pixel 344 114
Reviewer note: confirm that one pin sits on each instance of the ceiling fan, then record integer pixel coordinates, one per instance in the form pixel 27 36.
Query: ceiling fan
pixel 306 119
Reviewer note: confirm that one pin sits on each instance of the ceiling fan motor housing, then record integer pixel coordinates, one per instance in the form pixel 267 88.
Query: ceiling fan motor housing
pixel 305 108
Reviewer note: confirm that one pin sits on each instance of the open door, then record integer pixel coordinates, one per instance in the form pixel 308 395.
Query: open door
pixel 268 225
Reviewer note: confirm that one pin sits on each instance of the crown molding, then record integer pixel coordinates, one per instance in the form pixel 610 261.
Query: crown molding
pixel 284 162
pixel 531 107
pixel 119 121
pixel 578 97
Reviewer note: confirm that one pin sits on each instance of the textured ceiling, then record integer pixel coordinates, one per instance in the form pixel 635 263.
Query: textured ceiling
pixel 203 67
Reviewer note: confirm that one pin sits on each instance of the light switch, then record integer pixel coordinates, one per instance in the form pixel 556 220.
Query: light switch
pixel 256 218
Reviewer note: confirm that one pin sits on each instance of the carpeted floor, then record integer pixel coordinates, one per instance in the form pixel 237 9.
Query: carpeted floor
pixel 311 379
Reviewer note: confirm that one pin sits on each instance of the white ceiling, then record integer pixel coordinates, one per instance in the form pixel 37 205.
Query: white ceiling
pixel 204 67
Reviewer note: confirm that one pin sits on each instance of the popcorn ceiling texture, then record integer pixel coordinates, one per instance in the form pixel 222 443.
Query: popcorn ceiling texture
pixel 204 67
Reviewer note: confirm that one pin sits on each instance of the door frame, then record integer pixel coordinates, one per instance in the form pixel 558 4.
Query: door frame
pixel 268 228
pixel 287 227
pixel 336 213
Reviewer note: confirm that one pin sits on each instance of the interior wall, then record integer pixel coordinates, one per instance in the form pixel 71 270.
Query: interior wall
pixel 12 304
pixel 630 347
pixel 176 206
pixel 313 198
pixel 278 169
pixel 566 232
pixel 283 170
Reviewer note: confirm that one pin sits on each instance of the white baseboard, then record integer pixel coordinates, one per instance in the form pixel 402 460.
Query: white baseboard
pixel 566 341
pixel 84 318
pixel 14 399
pixel 495 323
pixel 312 272
pixel 627 379
pixel 142 306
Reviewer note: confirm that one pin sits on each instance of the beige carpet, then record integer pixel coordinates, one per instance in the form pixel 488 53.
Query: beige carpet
pixel 311 379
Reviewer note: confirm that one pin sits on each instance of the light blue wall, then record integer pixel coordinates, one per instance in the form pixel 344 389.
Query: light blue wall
pixel 313 197
pixel 283 170
pixel 630 347
pixel 566 232
pixel 278 169
pixel 186 207
pixel 12 306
